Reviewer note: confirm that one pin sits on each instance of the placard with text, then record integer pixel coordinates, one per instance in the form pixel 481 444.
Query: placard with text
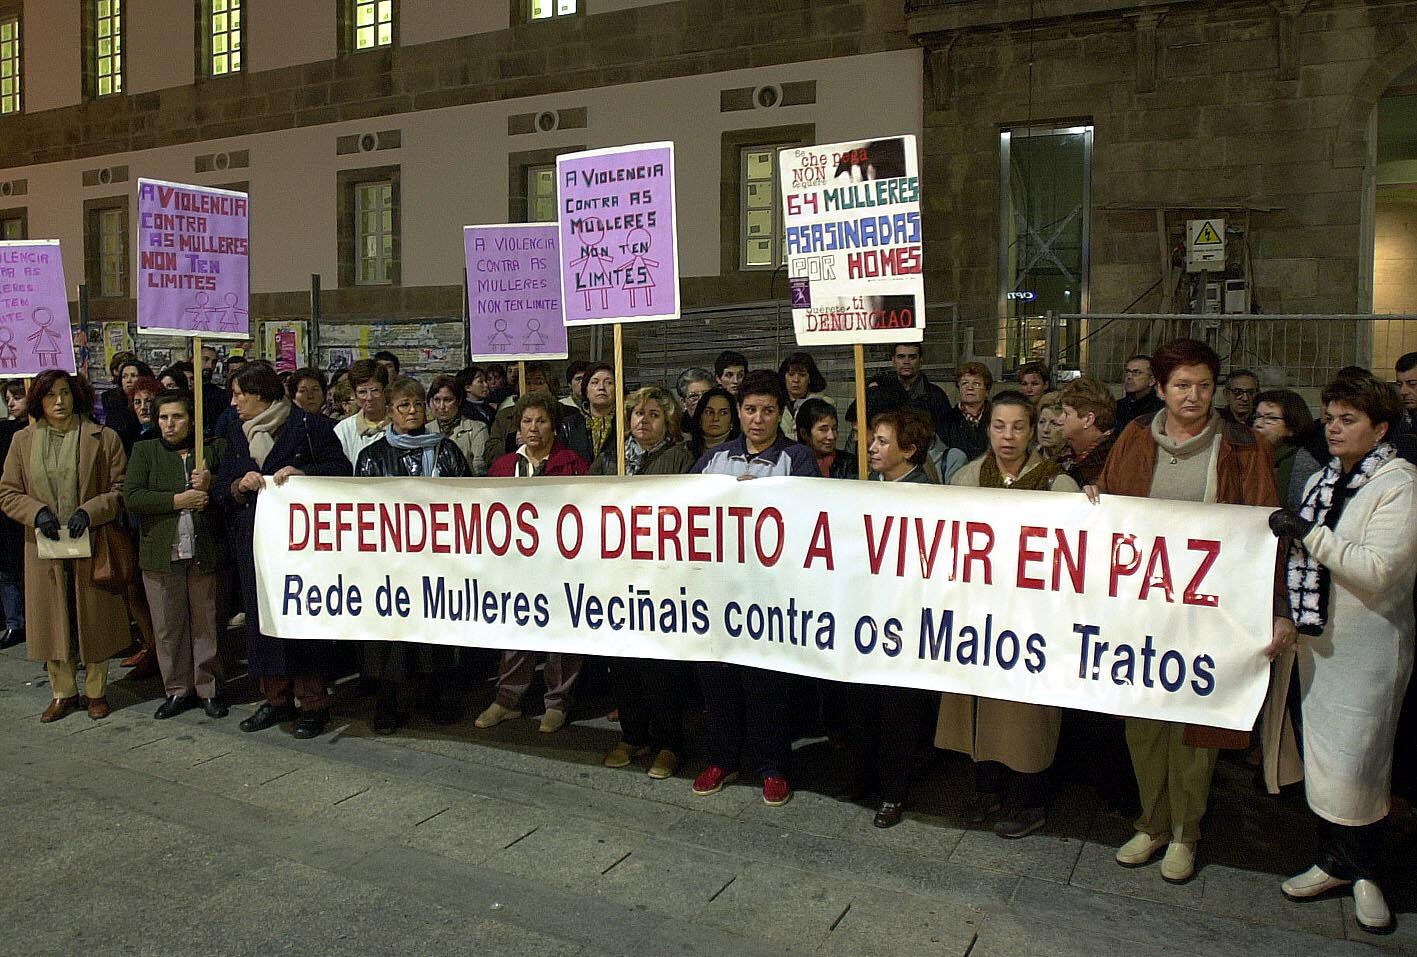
pixel 193 260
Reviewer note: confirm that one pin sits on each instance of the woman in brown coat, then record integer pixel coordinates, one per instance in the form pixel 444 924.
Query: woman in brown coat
pixel 1008 740
pixel 63 477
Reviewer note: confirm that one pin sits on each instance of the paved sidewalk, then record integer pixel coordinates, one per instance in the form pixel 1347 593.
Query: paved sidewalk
pixel 136 836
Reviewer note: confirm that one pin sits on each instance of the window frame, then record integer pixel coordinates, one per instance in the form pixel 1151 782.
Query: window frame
pixel 779 225
pixel 1005 279
pixel 92 77
pixel 204 39
pixel 733 226
pixel 94 212
pixel 15 13
pixel 519 167
pixel 348 184
pixel 521 12
pixel 349 26
pixel 18 214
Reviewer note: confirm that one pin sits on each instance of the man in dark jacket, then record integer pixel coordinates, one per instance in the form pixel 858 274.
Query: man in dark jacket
pixel 1139 388
pixel 929 398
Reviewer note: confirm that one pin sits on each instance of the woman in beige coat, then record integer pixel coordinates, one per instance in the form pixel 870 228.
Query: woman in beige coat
pixel 63 477
pixel 1004 736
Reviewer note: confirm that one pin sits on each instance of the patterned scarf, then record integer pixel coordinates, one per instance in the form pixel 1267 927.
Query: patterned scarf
pixel 1308 580
pixel 1037 479
pixel 635 454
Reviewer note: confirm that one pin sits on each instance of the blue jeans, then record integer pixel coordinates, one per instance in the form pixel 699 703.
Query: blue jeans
pixel 12 597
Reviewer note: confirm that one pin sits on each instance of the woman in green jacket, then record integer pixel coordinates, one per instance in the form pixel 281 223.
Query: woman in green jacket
pixel 179 551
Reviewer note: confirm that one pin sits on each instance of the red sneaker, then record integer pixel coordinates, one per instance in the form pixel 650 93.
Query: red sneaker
pixel 776 791
pixel 713 779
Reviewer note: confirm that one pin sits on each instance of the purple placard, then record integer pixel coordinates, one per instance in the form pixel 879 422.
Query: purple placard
pixel 34 311
pixel 619 244
pixel 514 292
pixel 193 261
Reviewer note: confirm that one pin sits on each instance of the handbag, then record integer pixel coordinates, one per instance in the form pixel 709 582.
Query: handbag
pixel 66 547
pixel 114 563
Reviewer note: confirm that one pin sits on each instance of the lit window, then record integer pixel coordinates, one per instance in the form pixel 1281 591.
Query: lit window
pixel 373 24
pixel 760 209
pixel 10 66
pixel 224 37
pixel 108 47
pixel 12 228
pixel 546 9
pixel 112 253
pixel 541 194
pixel 374 233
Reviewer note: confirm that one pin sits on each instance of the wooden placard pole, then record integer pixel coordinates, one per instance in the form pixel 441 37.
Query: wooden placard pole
pixel 198 431
pixel 521 376
pixel 619 400
pixel 862 464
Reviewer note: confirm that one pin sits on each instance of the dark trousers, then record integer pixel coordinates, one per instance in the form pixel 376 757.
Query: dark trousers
pixel 886 727
pixel 1352 853
pixel 747 706
pixel 282 691
pixel 1029 790
pixel 650 695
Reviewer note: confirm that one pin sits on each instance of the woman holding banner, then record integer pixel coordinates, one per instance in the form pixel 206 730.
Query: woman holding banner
pixel 1351 564
pixel 63 478
pixel 271 441
pixel 409 449
pixel 1006 739
pixel 179 550
pixel 886 725
pixel 649 693
pixel 540 454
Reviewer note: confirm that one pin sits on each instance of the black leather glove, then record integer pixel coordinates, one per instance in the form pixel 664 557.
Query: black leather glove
pixel 78 523
pixel 47 524
pixel 1285 522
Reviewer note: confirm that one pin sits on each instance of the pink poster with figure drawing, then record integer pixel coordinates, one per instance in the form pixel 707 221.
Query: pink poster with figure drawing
pixel 619 240
pixel 193 261
pixel 34 310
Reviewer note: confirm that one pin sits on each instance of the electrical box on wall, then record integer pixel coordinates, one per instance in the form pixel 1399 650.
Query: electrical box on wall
pixel 1205 245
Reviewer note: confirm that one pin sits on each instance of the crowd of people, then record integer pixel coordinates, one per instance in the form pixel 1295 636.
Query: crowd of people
pixel 118 539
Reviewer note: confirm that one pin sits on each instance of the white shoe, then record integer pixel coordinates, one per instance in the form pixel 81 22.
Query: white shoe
pixel 1370 908
pixel 552 721
pixel 1141 849
pixel 1310 884
pixel 1179 864
pixel 495 715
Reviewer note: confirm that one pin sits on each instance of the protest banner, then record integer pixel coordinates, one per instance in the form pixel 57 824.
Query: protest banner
pixel 619 245
pixel 619 251
pixel 34 310
pixel 514 292
pixel 193 261
pixel 1133 607
pixel 852 220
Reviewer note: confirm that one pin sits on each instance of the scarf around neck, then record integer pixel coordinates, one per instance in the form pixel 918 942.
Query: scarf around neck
pixel 1309 581
pixel 635 454
pixel 54 468
pixel 261 430
pixel 1039 478
pixel 425 442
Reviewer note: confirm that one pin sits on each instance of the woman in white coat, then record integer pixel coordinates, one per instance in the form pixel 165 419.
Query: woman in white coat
pixel 1351 566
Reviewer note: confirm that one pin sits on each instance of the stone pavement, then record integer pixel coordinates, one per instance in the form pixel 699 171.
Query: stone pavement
pixel 135 836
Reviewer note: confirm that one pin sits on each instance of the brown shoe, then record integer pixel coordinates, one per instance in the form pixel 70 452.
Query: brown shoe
pixel 98 708
pixel 61 708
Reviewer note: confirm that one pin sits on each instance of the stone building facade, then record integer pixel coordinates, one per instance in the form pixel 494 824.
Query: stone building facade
pixel 1064 145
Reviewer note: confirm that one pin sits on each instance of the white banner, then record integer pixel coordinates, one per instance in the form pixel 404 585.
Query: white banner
pixel 1133 607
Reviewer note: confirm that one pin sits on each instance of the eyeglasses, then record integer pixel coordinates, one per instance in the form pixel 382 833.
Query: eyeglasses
pixel 1234 391
pixel 406 407
pixel 1269 418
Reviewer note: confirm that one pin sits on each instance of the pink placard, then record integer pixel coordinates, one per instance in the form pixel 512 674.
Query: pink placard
pixel 35 334
pixel 514 292
pixel 193 260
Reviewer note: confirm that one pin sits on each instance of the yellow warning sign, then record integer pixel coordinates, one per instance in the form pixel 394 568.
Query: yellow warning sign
pixel 1207 236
